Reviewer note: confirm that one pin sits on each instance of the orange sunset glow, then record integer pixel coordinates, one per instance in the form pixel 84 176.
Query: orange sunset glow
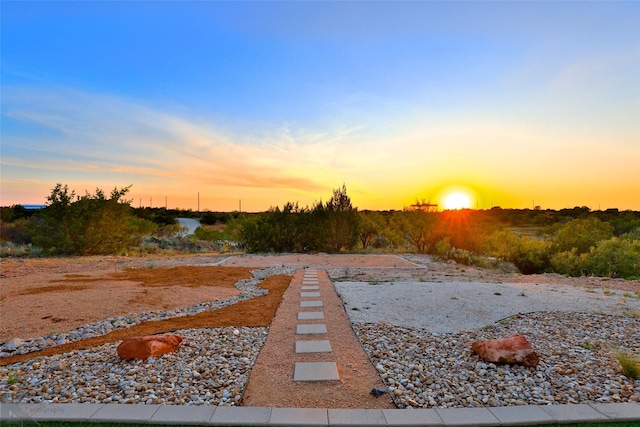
pixel 468 105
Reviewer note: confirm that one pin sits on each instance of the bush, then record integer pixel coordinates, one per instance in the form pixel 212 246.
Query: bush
pixel 581 235
pixel 443 247
pixel 10 249
pixel 616 257
pixel 89 225
pixel 528 254
pixel 332 226
pixel 629 364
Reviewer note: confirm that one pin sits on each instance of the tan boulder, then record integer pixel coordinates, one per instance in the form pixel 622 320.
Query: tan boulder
pixel 148 346
pixel 515 350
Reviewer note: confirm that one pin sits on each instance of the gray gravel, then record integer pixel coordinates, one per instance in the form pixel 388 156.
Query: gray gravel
pixel 211 367
pixel 419 336
pixel 424 369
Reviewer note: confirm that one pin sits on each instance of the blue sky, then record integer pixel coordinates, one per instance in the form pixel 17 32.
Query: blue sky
pixel 513 103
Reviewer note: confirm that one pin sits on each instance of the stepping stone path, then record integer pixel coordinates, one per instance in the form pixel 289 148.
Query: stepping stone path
pixel 312 371
pixel 312 358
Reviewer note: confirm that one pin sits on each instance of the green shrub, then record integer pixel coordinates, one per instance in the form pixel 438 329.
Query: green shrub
pixel 530 255
pixel 581 235
pixel 616 257
pixel 630 365
pixel 92 224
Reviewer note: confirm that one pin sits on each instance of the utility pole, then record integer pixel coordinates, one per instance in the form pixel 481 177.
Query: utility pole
pixel 240 205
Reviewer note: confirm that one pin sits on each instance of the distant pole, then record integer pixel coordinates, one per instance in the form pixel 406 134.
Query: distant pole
pixel 240 205
pixel 140 203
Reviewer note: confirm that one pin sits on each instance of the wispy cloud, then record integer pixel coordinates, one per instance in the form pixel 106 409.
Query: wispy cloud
pixel 89 132
pixel 104 140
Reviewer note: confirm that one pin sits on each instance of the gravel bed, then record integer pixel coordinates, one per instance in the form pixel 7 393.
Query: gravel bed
pixel 419 336
pixel 211 367
pixel 425 369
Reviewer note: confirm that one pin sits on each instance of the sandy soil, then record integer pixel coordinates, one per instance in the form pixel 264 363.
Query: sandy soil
pixel 40 303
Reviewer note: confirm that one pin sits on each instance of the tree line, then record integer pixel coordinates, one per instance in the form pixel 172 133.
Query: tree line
pixel 574 241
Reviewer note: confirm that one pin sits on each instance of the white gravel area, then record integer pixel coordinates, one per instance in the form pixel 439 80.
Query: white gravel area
pixel 419 336
pixel 457 306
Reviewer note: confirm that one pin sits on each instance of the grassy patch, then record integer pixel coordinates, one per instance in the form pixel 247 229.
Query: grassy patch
pixel 630 365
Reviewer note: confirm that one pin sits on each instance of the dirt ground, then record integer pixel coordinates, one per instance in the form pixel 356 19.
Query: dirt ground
pixel 254 312
pixel 41 296
pixel 40 304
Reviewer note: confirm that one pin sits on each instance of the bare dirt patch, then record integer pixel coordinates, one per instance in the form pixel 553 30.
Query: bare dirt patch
pixel 256 312
pixel 40 303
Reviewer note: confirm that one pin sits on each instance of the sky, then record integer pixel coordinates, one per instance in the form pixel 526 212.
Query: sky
pixel 248 105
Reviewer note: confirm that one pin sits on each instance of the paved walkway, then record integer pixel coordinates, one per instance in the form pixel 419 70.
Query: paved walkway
pixel 307 324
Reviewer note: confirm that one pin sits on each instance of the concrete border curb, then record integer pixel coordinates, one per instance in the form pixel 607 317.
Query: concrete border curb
pixel 251 416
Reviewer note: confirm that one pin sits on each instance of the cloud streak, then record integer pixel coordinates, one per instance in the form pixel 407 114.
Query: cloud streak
pixel 101 135
pixel 100 140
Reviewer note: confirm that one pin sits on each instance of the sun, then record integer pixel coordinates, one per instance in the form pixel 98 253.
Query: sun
pixel 457 200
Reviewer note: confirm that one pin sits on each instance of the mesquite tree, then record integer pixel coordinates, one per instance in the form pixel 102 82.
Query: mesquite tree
pixel 92 224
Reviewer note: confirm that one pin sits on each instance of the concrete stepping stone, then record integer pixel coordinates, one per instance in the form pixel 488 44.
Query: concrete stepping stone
pixel 307 304
pixel 315 371
pixel 310 315
pixel 310 288
pixel 314 328
pixel 309 294
pixel 310 282
pixel 320 346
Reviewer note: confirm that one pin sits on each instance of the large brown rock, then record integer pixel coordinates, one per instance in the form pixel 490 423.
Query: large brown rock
pixel 515 350
pixel 148 346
